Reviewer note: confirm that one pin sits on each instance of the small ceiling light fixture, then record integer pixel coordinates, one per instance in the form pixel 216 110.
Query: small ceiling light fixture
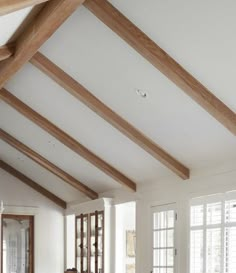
pixel 141 93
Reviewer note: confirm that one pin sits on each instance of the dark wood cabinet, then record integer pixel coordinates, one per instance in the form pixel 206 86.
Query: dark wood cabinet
pixel 90 242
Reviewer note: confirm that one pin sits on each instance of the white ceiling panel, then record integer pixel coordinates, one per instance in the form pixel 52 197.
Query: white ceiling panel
pixel 198 34
pixel 53 102
pixel 111 70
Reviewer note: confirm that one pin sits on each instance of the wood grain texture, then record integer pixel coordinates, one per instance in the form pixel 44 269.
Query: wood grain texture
pixel 47 164
pixel 81 93
pixel 137 39
pixel 8 6
pixel 64 138
pixel 29 182
pixel 7 51
pixel 52 15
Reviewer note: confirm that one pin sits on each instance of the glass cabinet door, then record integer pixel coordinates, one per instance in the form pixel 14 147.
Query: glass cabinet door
pixel 90 243
pixel 82 243
pixel 100 242
pixel 96 242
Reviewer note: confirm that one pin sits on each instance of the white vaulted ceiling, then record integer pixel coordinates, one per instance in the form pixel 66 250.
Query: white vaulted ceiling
pixel 200 36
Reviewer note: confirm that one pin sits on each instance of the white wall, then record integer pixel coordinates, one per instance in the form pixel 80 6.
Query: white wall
pixel 125 220
pixel 216 180
pixel 49 223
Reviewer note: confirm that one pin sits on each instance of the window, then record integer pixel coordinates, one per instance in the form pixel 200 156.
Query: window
pixel 163 239
pixel 17 244
pixel 213 234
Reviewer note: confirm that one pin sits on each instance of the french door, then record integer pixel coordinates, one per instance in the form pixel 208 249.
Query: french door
pixel 163 239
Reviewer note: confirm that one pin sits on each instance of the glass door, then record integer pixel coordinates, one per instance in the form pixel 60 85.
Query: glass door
pixel 163 230
pixel 17 244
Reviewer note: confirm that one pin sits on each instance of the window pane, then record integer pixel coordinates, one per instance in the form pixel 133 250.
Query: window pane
pixel 214 213
pixel 197 215
pixel 196 251
pixel 230 211
pixel 213 251
pixel 230 250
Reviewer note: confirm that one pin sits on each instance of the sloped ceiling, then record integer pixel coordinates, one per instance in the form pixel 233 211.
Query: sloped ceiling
pixel 200 36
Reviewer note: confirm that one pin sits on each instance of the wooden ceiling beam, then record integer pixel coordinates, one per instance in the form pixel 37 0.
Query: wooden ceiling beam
pixel 81 93
pixel 7 51
pixel 29 182
pixel 49 19
pixel 8 6
pixel 137 39
pixel 64 138
pixel 47 164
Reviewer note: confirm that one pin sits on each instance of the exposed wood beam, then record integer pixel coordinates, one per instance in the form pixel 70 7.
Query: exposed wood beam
pixel 137 39
pixel 7 51
pixel 64 138
pixel 81 93
pixel 8 6
pixel 52 15
pixel 47 164
pixel 32 184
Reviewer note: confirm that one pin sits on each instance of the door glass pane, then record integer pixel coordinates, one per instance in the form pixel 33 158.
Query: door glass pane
pixel 160 238
pixel 159 257
pixel 170 257
pixel 170 218
pixel 170 238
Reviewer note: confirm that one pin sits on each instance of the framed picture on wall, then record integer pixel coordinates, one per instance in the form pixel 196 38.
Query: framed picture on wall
pixel 130 268
pixel 130 243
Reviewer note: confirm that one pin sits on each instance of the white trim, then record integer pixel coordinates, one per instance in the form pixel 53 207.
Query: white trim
pixel 89 207
pixel 20 210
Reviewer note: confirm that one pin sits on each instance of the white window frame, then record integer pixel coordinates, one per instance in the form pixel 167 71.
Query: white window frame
pixel 204 200
pixel 162 208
